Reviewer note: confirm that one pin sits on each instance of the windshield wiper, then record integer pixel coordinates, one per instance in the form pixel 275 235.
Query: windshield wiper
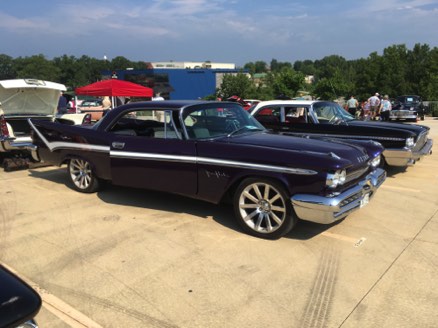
pixel 244 128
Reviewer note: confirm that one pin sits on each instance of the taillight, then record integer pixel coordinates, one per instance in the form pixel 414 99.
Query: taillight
pixel 3 126
pixel 87 119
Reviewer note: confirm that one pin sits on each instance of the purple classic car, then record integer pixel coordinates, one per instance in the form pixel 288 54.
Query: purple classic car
pixel 216 151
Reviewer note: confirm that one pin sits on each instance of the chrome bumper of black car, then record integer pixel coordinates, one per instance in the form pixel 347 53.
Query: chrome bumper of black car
pixel 327 209
pixel 406 156
pixel 402 115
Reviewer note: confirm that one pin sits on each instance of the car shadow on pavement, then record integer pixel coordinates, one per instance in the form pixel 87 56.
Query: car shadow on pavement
pixel 392 171
pixel 56 174
pixel 161 201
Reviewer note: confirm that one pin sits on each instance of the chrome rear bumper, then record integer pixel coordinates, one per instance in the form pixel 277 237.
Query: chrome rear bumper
pixel 23 143
pixel 327 209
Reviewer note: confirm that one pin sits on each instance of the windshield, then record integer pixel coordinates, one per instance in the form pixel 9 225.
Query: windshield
pixel 218 120
pixel 409 100
pixel 331 113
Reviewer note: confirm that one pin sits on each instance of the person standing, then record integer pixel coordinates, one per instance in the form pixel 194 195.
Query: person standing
pixel 374 105
pixel 352 105
pixel 385 107
pixel 106 103
pixel 157 97
pixel 62 104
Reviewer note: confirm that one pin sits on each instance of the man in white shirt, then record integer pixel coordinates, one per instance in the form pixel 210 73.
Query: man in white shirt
pixel 374 105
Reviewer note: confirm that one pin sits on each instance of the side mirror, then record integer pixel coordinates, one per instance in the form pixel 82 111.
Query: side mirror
pixel 19 303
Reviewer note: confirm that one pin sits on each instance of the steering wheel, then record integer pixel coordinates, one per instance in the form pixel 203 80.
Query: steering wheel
pixel 232 125
pixel 334 119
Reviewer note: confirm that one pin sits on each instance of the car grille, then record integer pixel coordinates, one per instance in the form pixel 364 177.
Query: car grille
pixel 381 179
pixel 353 175
pixel 422 139
pixel 351 199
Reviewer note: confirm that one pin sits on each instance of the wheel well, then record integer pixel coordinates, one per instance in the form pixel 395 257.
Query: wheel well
pixel 228 196
pixel 67 159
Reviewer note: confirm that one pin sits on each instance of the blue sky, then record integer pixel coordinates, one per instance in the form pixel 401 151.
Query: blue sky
pixel 217 30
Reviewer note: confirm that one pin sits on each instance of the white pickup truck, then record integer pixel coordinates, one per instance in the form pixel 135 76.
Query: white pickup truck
pixel 21 99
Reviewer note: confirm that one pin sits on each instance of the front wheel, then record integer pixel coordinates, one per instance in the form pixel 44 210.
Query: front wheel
pixel 263 208
pixel 82 176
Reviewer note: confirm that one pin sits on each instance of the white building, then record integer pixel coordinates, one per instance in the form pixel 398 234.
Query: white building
pixel 192 65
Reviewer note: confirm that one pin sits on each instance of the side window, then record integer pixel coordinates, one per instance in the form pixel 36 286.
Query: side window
pixel 271 114
pixel 147 123
pixel 296 114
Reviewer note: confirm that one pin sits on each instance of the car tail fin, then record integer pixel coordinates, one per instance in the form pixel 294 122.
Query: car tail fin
pixel 4 131
pixel 87 119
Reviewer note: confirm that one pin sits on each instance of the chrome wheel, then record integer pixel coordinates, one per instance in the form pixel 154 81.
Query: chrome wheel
pixel 262 207
pixel 81 175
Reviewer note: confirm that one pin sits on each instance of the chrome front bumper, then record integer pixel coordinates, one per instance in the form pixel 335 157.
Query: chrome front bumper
pixel 406 156
pixel 327 209
pixel 402 115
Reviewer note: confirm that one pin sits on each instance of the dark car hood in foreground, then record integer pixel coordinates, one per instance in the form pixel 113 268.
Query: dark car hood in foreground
pixel 18 301
pixel 373 127
pixel 354 153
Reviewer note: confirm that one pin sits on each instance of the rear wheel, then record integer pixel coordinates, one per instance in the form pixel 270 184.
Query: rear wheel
pixel 263 208
pixel 82 176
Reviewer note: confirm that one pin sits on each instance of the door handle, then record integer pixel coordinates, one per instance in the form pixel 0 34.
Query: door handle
pixel 118 145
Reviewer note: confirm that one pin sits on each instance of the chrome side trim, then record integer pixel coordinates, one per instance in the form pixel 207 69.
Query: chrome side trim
pixel 209 161
pixel 328 209
pixel 344 136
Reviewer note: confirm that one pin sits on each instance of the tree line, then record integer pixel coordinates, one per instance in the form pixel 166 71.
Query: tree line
pixel 398 70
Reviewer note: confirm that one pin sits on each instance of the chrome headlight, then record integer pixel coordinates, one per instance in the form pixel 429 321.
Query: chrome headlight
pixel 375 162
pixel 410 142
pixel 336 179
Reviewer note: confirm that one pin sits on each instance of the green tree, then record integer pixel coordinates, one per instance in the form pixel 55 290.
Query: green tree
pixel 285 82
pixel 333 88
pixel 256 67
pixel 120 63
pixel 330 66
pixel 418 63
pixel 7 70
pixel 36 67
pixel 236 84
pixel 277 66
pixel 69 67
pixel 432 85
pixel 391 78
pixel 366 78
pixel 306 67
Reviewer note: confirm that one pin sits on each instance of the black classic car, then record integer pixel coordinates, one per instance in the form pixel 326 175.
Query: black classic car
pixel 408 108
pixel 19 303
pixel 404 143
pixel 215 151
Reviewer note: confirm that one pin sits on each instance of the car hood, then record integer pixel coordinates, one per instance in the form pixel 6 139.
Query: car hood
pixel 356 154
pixel 372 128
pixel 29 97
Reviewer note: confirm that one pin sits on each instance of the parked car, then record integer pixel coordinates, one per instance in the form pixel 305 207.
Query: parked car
pixel 408 108
pixel 404 143
pixel 19 303
pixel 215 151
pixel 93 107
pixel 20 100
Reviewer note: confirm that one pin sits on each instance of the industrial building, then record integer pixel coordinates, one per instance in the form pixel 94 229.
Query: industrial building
pixel 178 80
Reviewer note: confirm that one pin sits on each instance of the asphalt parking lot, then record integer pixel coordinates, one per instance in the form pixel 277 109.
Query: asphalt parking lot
pixel 124 257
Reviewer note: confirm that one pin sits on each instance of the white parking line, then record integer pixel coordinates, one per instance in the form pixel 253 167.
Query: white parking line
pixel 356 242
pixel 58 307
pixel 399 188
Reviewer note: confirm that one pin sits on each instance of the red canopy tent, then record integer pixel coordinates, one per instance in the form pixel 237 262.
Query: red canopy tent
pixel 114 88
